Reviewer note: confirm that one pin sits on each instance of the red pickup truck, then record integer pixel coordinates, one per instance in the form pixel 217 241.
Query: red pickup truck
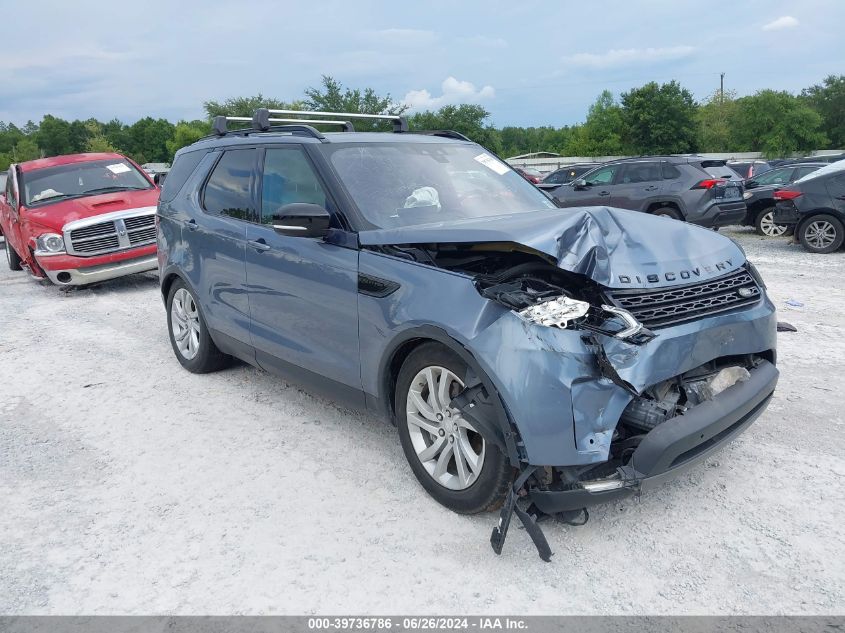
pixel 79 219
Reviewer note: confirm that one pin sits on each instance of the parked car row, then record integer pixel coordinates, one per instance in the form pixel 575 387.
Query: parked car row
pixel 698 190
pixel 533 359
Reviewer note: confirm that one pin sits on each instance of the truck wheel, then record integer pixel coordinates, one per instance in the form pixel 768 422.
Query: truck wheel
pixel 821 234
pixel 448 456
pixel 764 224
pixel 668 212
pixel 189 335
pixel 12 256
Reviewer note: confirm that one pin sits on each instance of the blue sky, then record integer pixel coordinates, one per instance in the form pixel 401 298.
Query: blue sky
pixel 528 63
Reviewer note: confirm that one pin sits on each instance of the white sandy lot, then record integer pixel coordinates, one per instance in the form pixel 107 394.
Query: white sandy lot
pixel 130 486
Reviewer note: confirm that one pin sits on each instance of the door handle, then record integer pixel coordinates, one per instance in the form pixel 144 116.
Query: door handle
pixel 604 193
pixel 651 188
pixel 260 245
pixel 192 224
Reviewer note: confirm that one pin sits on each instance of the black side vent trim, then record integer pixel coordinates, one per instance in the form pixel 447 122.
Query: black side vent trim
pixel 375 286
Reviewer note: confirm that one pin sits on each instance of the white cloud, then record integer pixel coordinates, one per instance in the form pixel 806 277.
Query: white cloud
pixel 454 91
pixel 628 56
pixel 783 22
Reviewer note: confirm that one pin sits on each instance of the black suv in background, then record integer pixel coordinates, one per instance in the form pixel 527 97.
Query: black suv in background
pixel 815 206
pixel 759 196
pixel 693 188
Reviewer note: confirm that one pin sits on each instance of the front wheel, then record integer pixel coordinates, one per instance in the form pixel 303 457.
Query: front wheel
pixel 11 256
pixel 189 335
pixel 821 234
pixel 764 224
pixel 448 456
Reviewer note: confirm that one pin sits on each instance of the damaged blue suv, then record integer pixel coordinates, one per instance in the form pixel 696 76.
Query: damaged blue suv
pixel 534 359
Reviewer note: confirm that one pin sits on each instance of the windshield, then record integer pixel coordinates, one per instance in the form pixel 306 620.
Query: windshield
pixel 77 180
pixel 404 184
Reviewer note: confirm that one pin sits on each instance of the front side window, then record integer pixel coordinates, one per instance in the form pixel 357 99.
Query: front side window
pixel 78 180
pixel 774 177
pixel 228 190
pixel 403 184
pixel 288 178
pixel 603 176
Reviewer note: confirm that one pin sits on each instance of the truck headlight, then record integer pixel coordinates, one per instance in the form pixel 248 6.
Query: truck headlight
pixel 49 244
pixel 556 313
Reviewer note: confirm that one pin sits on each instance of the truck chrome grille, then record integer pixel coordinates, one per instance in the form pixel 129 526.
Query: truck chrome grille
pixel 100 238
pixel 664 307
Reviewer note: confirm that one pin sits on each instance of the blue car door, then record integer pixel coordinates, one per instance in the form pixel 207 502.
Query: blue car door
pixel 303 291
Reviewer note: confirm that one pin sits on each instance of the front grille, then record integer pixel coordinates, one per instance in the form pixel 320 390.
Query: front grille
pixel 661 308
pixel 103 228
pixel 142 236
pixel 111 236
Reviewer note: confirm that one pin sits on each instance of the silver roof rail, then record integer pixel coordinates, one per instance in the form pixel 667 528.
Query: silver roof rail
pixel 400 123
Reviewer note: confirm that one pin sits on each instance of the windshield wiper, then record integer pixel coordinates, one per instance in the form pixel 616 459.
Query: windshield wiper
pixel 112 188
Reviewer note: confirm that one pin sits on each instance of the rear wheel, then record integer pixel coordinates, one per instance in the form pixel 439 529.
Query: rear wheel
pixel 448 456
pixel 189 335
pixel 668 212
pixel 764 224
pixel 11 256
pixel 821 234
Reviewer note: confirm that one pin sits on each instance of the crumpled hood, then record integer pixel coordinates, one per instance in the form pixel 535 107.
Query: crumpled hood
pixel 613 247
pixel 55 216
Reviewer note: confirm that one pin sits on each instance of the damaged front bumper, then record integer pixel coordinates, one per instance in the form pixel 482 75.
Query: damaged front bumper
pixel 673 446
pixel 667 451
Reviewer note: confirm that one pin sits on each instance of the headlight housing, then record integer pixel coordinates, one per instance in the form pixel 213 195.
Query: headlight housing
pixel 557 312
pixel 49 244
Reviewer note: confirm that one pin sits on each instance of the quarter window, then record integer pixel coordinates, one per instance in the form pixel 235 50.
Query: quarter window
pixel 670 172
pixel 288 178
pixel 227 191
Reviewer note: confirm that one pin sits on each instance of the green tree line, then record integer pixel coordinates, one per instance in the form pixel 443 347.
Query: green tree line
pixel 651 119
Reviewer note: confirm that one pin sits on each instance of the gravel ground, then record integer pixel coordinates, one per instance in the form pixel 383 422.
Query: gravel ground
pixel 129 486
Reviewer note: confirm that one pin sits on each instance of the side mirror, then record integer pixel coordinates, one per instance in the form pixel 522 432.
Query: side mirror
pixel 750 184
pixel 301 219
pixel 580 183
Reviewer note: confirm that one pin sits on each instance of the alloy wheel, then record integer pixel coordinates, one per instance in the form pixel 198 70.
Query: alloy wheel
pixel 769 227
pixel 185 323
pixel 448 447
pixel 820 234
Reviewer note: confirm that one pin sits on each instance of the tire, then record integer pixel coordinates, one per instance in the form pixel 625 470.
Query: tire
pixel 668 212
pixel 12 257
pixel 463 490
pixel 764 224
pixel 821 234
pixel 187 329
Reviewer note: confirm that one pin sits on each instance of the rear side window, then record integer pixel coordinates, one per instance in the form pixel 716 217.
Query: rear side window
pixel 182 169
pixel 800 172
pixel 640 172
pixel 228 190
pixel 558 177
